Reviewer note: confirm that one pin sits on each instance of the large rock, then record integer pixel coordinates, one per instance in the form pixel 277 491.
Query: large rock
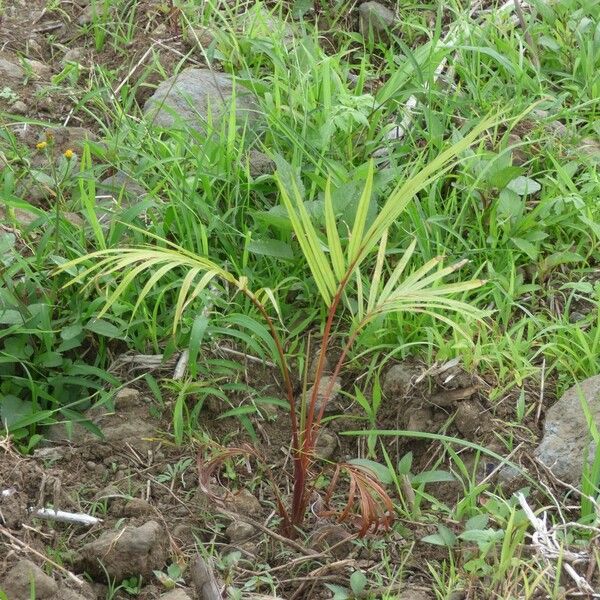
pixel 190 98
pixel 128 552
pixel 566 432
pixel 25 577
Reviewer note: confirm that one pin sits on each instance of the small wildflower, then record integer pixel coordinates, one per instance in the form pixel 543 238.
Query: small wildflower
pixel 69 153
pixel 41 145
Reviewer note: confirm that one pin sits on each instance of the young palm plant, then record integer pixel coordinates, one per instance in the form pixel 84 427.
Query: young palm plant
pixel 337 275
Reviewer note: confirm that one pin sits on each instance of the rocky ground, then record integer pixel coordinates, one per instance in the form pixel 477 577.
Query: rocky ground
pixel 157 529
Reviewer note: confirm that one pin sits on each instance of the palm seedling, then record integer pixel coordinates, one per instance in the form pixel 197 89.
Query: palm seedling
pixel 335 262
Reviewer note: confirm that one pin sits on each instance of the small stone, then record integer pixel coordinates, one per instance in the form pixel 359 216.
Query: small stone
pixel 66 594
pixel 414 594
pixel 324 385
pixel 260 22
pixel 576 316
pixel 137 508
pixel 184 534
pixel 122 186
pixel 326 445
pixel 19 108
pixel 13 509
pixel 127 398
pixel 74 55
pixel 10 69
pixel 247 503
pixel 239 531
pixel 260 164
pixel 203 577
pixel 177 594
pixel 314 365
pixel 420 419
pixel 468 419
pixel 327 536
pixel 455 378
pixel 40 69
pixel 110 492
pixel 397 380
pixel 377 18
pixel 24 576
pixel 34 46
pixel 160 31
pixel 131 551
pixel 67 138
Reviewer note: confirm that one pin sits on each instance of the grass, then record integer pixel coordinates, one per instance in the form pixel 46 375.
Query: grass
pixel 520 207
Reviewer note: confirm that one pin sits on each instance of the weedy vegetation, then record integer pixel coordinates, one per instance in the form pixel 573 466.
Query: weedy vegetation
pixel 473 237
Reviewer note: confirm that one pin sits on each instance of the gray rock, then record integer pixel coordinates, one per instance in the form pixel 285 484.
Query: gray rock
pixel 186 100
pixel 127 552
pixel 74 55
pixel 377 18
pixel 326 445
pixel 136 508
pixel 19 108
pixel 239 531
pixel 397 380
pixel 246 503
pixel 23 578
pixel 184 534
pixel 420 419
pixel 40 70
pixel 414 594
pixel 65 594
pixel 121 185
pixel 260 164
pixel 137 432
pixel 469 418
pixel 323 386
pixel 332 536
pixel 67 138
pixel 10 69
pixel 127 398
pixel 328 366
pixel 260 22
pixel 566 433
pixel 177 594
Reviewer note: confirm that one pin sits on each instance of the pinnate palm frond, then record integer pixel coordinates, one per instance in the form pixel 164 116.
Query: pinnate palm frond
pixel 199 273
pixel 332 266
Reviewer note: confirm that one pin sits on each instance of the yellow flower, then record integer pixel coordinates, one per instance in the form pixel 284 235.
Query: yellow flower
pixel 41 145
pixel 69 153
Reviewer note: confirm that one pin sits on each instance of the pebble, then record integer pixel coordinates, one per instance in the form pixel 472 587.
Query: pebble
pixel 19 108
pixel 239 531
